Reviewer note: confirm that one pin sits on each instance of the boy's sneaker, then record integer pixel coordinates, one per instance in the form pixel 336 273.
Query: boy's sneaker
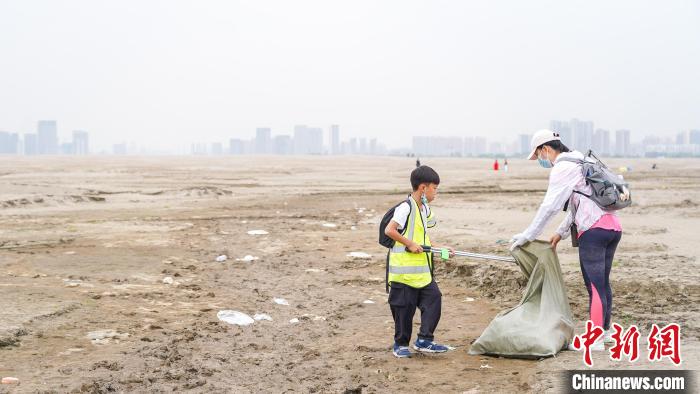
pixel 401 351
pixel 425 346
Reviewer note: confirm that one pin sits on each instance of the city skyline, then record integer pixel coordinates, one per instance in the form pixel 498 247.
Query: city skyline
pixel 309 140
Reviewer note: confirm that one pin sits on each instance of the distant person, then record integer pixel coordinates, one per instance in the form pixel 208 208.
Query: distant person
pixel 653 166
pixel 598 232
pixel 495 165
pixel 418 162
pixel 410 270
pixel 505 165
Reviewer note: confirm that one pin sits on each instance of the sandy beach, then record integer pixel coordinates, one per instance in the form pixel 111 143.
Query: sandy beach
pixel 109 279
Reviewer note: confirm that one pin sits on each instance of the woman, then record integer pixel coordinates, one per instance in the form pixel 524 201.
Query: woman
pixel 598 231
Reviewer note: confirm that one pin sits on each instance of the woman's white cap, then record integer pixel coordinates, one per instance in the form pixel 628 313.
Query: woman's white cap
pixel 540 138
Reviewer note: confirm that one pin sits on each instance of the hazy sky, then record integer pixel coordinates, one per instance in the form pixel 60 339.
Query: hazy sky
pixel 178 71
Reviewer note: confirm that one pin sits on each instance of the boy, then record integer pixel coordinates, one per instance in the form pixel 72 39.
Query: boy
pixel 411 269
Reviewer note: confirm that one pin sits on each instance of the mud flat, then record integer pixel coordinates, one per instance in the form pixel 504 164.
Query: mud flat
pixel 109 276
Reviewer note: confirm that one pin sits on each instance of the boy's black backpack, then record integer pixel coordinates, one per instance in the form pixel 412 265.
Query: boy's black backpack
pixel 384 239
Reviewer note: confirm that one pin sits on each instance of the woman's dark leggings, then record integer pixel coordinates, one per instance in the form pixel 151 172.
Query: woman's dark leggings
pixel 596 251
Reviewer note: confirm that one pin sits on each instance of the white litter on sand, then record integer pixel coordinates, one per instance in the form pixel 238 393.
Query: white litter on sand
pixel 353 228
pixel 168 280
pixel 70 252
pixel 329 225
pixel 222 258
pixel 262 316
pixel 313 270
pixel 235 317
pixel 469 299
pixel 281 301
pixel 359 255
pixel 73 282
pixel 257 232
pixel 71 351
pixel 10 380
pixel 308 316
pixel 368 302
pixel 101 337
pixel 294 321
pixel 247 258
pixel 486 366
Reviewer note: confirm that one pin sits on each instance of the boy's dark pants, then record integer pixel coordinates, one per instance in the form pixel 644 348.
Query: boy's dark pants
pixel 403 301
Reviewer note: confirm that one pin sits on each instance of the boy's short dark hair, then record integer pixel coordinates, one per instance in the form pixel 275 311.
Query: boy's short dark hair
pixel 424 174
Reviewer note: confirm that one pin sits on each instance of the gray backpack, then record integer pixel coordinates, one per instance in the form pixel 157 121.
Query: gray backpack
pixel 609 191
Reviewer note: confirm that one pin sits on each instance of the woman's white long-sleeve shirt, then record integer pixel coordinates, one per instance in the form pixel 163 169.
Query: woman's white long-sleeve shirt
pixel 564 178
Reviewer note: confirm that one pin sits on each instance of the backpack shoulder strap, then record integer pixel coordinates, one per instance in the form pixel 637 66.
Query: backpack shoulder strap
pixel 410 208
pixel 572 160
pixel 405 226
pixel 386 281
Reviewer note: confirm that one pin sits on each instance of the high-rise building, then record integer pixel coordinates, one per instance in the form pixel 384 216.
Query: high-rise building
pixel 9 143
pixel 468 149
pixel 694 137
pixel 263 140
pixel 236 146
pixel 283 145
pixel 47 137
pixel 496 148
pixel 80 143
pixel 315 141
pixel 582 135
pixel 682 138
pixel 334 139
pixel 31 145
pixel 308 140
pixel 299 139
pixel 199 148
pixel 66 148
pixel 352 148
pixel 601 142
pixel 479 146
pixel 622 143
pixel 564 130
pixel 363 146
pixel 438 146
pixel 421 145
pixel 524 144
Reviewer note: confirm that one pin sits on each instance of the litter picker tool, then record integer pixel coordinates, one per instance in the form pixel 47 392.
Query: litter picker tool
pixel 444 253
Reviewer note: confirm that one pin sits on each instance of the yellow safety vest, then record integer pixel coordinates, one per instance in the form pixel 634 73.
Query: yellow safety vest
pixel 412 269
